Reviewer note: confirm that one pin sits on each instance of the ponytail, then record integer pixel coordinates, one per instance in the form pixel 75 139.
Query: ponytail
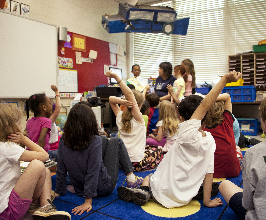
pixel 126 121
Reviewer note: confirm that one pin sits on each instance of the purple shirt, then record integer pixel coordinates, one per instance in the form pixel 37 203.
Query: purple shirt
pixel 34 127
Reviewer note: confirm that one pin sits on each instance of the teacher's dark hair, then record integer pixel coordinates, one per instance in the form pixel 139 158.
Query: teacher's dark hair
pixel 167 68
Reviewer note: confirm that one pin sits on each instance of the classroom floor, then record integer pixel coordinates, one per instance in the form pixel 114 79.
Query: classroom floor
pixel 112 207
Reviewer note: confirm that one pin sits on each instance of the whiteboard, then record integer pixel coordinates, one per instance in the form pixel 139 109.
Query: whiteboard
pixel 28 57
pixel 68 80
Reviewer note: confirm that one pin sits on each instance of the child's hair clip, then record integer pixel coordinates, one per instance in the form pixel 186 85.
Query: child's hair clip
pixel 33 97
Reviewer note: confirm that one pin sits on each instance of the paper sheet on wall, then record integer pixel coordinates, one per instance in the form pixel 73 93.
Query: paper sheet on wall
pixel 120 50
pixel 68 80
pixel 113 59
pixel 93 54
pixel 78 58
pixel 112 48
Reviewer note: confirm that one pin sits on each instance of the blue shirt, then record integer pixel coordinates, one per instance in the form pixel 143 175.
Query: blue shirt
pixel 161 85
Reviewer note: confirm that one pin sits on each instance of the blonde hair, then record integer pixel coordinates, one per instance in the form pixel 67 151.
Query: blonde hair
pixel 9 115
pixel 215 114
pixel 167 114
pixel 127 115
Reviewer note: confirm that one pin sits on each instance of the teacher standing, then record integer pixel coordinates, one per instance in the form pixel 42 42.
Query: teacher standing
pixel 165 77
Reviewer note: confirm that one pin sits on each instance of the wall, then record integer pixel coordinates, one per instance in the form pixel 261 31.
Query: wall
pixel 79 16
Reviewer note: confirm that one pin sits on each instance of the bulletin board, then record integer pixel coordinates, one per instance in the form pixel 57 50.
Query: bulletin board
pixel 28 51
pixel 89 74
pixel 68 80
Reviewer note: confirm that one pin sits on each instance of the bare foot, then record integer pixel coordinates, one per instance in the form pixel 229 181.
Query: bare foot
pixel 71 189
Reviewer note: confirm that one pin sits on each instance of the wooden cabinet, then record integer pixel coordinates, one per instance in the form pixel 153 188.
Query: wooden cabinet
pixel 252 66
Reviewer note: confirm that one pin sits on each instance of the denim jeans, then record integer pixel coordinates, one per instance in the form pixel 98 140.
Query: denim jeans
pixel 114 153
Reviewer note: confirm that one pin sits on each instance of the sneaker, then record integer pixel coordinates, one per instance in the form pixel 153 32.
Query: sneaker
pixel 33 207
pixel 50 212
pixel 136 184
pixel 137 196
pixel 253 141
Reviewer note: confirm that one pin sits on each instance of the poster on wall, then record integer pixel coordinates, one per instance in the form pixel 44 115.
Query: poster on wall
pixel 25 10
pixel 15 7
pixel 68 80
pixel 65 62
pixel 5 6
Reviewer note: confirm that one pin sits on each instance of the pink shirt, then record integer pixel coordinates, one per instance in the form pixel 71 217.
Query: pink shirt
pixel 34 127
pixel 188 89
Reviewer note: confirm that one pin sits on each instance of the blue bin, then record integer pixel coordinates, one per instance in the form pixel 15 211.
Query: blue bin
pixel 241 93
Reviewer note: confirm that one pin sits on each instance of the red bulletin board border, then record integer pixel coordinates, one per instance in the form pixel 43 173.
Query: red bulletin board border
pixel 89 74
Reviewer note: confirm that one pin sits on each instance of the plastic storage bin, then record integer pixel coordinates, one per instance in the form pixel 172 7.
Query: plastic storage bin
pixel 259 48
pixel 238 83
pixel 249 126
pixel 241 93
pixel 203 90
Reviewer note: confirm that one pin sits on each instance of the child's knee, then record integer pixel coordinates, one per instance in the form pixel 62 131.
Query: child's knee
pixel 223 185
pixel 37 165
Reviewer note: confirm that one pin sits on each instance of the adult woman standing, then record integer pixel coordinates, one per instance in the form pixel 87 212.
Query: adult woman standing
pixel 165 77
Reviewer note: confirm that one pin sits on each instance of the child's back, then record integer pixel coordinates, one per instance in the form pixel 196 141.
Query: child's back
pixel 219 121
pixel 34 127
pixel 184 167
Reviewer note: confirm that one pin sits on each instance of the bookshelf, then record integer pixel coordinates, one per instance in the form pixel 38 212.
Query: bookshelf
pixel 252 66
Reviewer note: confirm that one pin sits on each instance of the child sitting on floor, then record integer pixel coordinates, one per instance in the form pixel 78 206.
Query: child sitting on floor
pixel 39 126
pixel 166 127
pixel 91 161
pixel 219 122
pixel 249 202
pixel 30 191
pixel 132 128
pixel 190 160
pixel 154 101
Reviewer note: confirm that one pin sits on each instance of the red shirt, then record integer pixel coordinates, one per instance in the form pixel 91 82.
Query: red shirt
pixel 226 163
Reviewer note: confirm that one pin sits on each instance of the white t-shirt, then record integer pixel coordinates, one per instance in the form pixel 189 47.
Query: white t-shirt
pixel 53 134
pixel 182 171
pixel 169 140
pixel 134 141
pixel 9 170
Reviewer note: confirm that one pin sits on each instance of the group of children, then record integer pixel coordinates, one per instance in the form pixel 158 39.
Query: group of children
pixel 198 144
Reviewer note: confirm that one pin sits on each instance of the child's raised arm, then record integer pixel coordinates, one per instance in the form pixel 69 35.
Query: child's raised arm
pixel 56 112
pixel 128 95
pixel 211 97
pixel 146 88
pixel 225 97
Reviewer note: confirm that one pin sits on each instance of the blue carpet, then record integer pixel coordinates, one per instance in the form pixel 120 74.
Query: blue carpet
pixel 112 207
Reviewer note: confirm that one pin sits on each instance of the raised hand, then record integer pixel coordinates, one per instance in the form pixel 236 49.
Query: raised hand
pixel 233 76
pixel 54 88
pixel 110 74
pixel 129 104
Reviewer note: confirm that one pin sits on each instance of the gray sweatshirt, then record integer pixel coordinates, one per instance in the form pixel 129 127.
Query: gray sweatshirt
pixel 254 182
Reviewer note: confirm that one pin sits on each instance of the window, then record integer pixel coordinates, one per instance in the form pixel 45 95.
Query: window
pixel 217 29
